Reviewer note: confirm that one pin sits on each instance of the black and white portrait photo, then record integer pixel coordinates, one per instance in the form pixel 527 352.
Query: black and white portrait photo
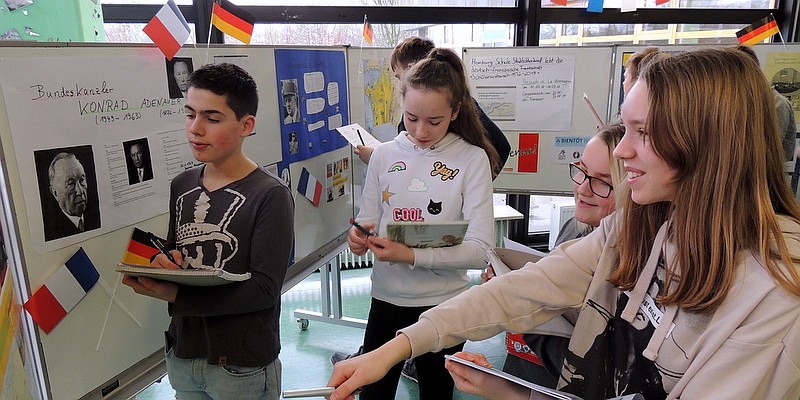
pixel 178 70
pixel 137 160
pixel 68 191
pixel 291 108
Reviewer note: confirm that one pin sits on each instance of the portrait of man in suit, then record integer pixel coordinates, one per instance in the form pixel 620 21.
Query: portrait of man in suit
pixel 178 70
pixel 137 159
pixel 291 109
pixel 68 191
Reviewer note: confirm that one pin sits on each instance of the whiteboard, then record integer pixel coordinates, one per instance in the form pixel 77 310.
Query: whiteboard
pixel 124 96
pixel 535 95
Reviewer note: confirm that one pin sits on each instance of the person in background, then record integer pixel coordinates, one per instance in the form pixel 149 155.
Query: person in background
pixel 635 63
pixel 446 169
pixel 786 122
pixel 405 54
pixel 686 291
pixel 223 341
pixel 595 179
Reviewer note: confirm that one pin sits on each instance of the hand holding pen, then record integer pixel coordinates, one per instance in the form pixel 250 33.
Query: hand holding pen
pixel 358 235
pixel 163 250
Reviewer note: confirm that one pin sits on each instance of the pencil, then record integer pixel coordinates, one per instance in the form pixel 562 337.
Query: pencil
pixel 360 138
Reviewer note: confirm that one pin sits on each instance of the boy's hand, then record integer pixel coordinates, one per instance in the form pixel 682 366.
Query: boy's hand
pixel 161 260
pixel 162 290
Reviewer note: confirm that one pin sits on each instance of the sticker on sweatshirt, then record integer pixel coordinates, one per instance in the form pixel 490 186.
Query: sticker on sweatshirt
pixel 397 167
pixel 386 195
pixel 434 207
pixel 440 169
pixel 407 214
pixel 417 185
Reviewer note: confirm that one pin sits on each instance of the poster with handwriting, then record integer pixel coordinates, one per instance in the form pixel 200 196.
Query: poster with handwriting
pixel 96 142
pixel 524 92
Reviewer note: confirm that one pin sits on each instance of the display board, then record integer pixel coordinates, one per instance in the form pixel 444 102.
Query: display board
pixel 99 103
pixel 375 101
pixel 536 96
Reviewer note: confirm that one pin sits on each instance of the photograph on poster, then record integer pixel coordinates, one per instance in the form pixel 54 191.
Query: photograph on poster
pixel 137 161
pixel 68 190
pixel 178 70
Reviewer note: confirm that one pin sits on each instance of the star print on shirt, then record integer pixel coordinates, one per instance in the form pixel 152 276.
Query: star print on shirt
pixel 386 195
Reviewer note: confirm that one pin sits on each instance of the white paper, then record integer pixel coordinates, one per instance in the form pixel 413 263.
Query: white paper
pixel 357 135
pixel 510 244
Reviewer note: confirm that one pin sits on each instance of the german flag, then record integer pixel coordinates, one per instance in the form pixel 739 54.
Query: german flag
pixel 758 31
pixel 140 248
pixel 233 20
pixel 368 34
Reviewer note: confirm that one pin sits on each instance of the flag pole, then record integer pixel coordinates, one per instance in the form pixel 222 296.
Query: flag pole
pixel 210 25
pixel 780 35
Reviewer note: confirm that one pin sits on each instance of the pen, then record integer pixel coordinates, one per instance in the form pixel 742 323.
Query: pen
pixel 359 227
pixel 360 138
pixel 315 392
pixel 160 247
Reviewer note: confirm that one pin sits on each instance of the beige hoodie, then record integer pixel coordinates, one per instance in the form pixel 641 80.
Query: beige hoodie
pixel 749 348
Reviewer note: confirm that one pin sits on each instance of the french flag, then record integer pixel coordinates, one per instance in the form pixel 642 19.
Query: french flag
pixel 168 29
pixel 310 187
pixel 62 291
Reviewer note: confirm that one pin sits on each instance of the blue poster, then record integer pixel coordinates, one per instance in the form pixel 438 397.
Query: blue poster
pixel 312 92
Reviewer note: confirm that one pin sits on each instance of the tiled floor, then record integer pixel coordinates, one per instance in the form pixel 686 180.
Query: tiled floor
pixel 305 354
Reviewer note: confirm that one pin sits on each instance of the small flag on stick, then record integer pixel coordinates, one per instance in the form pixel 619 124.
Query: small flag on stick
pixel 233 20
pixel 168 29
pixel 140 248
pixel 62 291
pixel 368 34
pixel 310 187
pixel 758 31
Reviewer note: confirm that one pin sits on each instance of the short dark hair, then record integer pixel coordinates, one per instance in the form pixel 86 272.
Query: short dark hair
pixel 231 81
pixel 410 50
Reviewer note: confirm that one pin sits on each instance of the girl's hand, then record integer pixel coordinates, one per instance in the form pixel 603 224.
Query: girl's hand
pixel 388 250
pixel 357 239
pixel 364 153
pixel 354 373
pixel 487 274
pixel 473 381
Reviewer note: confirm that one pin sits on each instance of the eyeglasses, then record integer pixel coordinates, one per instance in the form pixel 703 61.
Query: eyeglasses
pixel 597 185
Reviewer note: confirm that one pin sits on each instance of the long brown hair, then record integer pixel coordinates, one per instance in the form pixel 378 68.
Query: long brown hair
pixel 442 69
pixel 711 118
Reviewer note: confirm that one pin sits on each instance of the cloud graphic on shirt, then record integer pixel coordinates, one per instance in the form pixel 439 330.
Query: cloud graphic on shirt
pixel 417 185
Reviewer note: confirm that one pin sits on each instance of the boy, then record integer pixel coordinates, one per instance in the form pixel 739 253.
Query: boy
pixel 223 341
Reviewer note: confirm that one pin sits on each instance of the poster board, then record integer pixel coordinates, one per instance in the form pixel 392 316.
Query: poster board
pixel 97 101
pixel 535 95
pixel 375 102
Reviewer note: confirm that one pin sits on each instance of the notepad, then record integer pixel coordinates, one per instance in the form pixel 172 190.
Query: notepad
pixel 550 393
pixel 191 277
pixel 428 234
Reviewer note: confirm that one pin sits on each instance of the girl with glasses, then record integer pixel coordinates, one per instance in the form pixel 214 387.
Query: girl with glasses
pixel 594 193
